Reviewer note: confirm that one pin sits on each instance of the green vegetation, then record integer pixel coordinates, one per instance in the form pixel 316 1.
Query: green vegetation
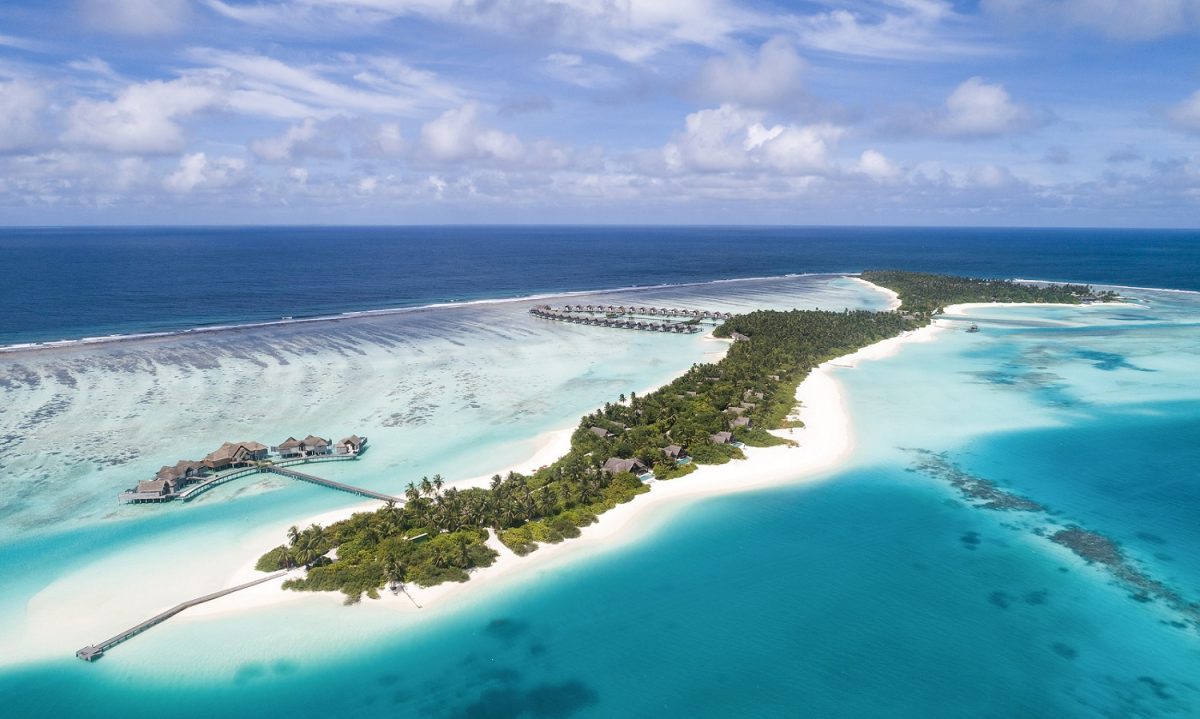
pixel 928 294
pixel 437 535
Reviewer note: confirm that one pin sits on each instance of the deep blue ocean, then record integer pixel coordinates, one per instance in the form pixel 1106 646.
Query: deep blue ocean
pixel 876 591
pixel 69 283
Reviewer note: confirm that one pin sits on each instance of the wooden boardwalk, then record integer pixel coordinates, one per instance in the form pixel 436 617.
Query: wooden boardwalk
pixel 92 652
pixel 289 472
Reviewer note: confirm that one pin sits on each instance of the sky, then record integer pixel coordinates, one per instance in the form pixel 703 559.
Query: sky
pixel 871 112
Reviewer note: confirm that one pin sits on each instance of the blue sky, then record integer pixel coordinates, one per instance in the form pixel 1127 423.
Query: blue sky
pixel 997 112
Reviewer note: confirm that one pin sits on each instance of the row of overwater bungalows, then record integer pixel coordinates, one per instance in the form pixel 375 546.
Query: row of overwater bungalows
pixel 170 480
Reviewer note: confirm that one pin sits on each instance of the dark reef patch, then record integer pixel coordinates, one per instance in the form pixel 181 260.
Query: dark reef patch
pixel 984 493
pixel 544 701
pixel 1000 598
pixel 1065 651
pixel 506 630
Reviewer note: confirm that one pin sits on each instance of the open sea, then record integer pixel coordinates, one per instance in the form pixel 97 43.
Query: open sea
pixel 876 592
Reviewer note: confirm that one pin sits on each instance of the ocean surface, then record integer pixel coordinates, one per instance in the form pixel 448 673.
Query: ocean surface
pixel 71 283
pixel 878 591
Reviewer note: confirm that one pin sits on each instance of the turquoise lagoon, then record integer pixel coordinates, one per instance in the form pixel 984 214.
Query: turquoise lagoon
pixel 878 592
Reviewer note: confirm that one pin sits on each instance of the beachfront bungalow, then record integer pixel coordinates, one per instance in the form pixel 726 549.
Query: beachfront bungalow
pixel 736 410
pixel 740 422
pixel 751 394
pixel 600 432
pixel 350 445
pixel 616 465
pixel 739 337
pixel 721 438
pixel 674 451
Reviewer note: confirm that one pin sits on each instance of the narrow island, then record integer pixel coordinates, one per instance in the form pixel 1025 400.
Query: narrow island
pixel 703 417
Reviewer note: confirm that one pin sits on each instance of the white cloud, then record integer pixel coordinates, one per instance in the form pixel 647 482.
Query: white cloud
pixel 977 109
pixel 457 135
pixel 1186 114
pixel 1120 19
pixel 371 85
pixel 21 105
pixel 573 69
pixel 729 138
pixel 196 171
pixel 767 79
pixel 295 140
pixel 632 30
pixel 892 29
pixel 143 117
pixel 875 165
pixel 135 17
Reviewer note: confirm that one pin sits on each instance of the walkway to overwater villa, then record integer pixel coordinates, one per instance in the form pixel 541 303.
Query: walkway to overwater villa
pixel 680 321
pixel 92 652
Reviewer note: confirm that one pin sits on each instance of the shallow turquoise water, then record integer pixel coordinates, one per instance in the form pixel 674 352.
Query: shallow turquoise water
pixel 878 592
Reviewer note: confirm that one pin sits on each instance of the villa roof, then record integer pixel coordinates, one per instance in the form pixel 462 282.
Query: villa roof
pixel 673 450
pixel 225 451
pixel 313 440
pixel 721 437
pixel 741 422
pixel 289 443
pixel 154 486
pixel 253 446
pixel 352 439
pixel 616 464
pixel 600 432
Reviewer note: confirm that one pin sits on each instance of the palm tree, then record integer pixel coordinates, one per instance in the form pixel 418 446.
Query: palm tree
pixel 293 534
pixel 438 482
pixel 426 486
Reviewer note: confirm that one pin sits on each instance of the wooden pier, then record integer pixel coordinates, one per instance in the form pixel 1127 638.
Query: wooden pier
pixel 671 320
pixel 92 652
pixel 288 472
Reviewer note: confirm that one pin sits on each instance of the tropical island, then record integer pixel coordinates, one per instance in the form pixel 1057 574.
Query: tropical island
pixel 703 417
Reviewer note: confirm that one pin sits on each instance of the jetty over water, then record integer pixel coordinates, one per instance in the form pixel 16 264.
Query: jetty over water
pixel 303 477
pixel 650 319
pixel 92 652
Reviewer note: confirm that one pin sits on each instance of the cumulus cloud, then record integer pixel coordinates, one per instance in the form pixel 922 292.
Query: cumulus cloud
pixel 977 109
pixel 771 77
pixel 135 17
pixel 21 106
pixel 197 171
pixel 1119 19
pixel 1186 115
pixel 731 138
pixel 458 135
pixel 142 118
pixel 877 166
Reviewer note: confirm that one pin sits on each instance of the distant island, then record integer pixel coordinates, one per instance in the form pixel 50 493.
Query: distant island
pixel 703 417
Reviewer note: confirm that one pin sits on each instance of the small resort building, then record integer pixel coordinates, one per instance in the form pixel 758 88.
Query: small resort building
pixel 674 451
pixel 721 437
pixel 615 465
pixel 350 445
pixel 740 422
pixel 600 432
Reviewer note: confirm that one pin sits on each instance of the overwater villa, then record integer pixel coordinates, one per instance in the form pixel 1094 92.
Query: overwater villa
pixel 187 478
